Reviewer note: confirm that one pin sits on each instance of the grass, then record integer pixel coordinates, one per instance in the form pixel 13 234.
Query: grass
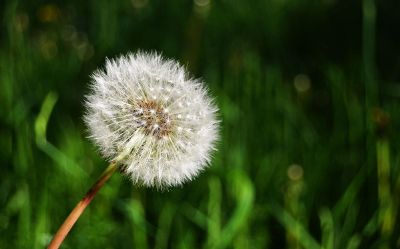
pixel 309 155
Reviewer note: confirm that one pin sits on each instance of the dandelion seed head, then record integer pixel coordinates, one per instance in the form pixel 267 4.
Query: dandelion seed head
pixel 146 113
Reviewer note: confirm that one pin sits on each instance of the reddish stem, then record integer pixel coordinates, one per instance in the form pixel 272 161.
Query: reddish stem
pixel 80 207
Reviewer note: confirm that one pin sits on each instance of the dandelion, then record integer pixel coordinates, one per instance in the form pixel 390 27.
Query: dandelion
pixel 151 121
pixel 146 113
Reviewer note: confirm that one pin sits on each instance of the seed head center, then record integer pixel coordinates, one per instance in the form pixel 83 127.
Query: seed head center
pixel 153 118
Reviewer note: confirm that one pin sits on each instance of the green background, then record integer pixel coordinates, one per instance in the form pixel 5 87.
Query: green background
pixel 309 101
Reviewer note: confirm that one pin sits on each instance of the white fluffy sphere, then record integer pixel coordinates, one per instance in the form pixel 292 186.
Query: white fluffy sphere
pixel 147 114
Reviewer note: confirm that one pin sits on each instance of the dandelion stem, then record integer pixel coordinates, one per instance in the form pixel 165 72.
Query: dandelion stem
pixel 80 207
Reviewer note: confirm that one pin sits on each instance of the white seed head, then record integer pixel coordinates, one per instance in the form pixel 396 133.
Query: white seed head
pixel 136 115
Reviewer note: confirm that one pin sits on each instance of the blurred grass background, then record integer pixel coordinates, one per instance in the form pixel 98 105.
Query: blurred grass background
pixel 309 94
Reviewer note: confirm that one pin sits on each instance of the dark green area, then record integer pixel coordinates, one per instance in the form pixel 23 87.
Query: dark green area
pixel 309 95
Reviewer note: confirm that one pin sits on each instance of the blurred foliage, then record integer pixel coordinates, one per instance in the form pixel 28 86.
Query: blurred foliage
pixel 309 96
